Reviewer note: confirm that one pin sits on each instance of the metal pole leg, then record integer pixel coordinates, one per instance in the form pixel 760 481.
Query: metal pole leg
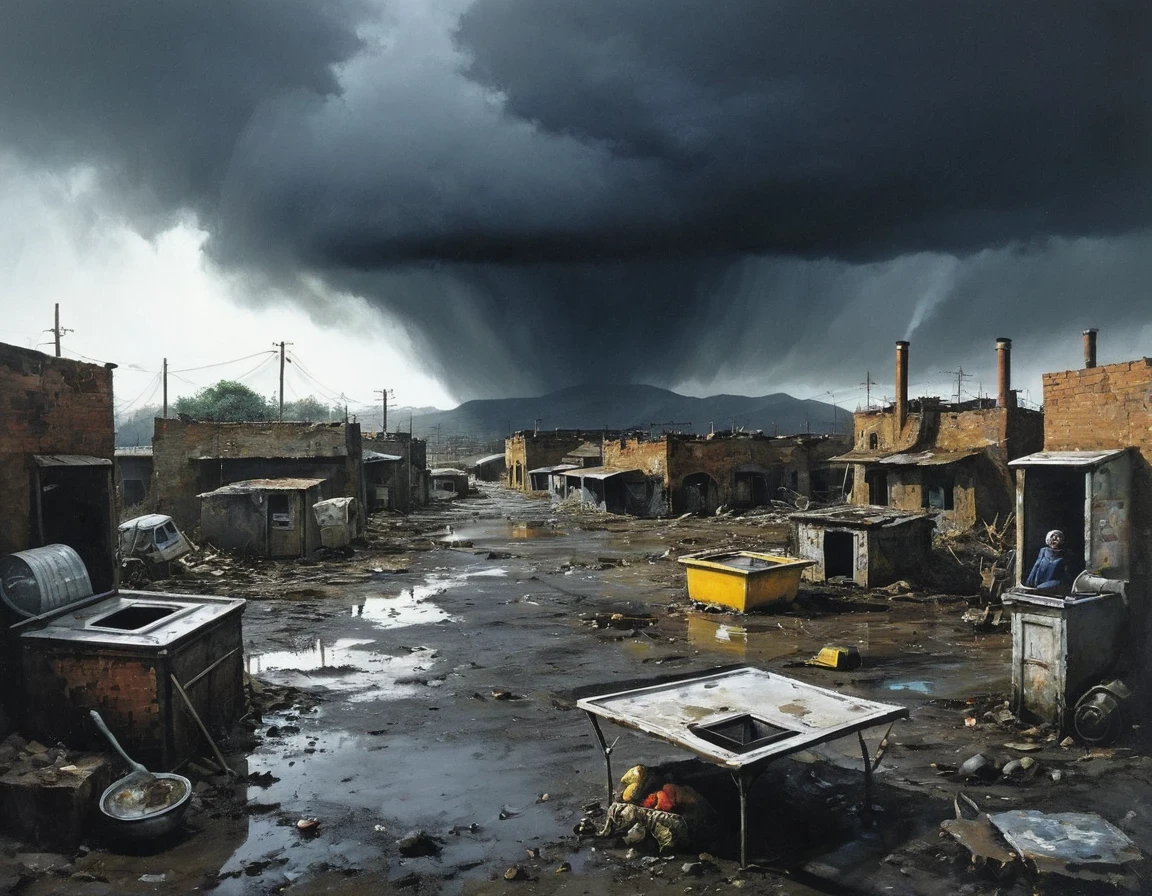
pixel 742 783
pixel 607 756
pixel 867 773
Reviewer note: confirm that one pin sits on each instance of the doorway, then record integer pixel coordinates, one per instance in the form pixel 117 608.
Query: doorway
pixel 73 506
pixel 839 555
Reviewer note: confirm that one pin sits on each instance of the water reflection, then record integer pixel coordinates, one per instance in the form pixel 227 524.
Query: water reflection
pixel 707 633
pixel 318 656
pixel 412 606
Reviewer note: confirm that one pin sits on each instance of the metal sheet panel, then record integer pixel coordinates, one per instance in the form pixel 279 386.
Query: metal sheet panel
pixel 1065 458
pixel 812 714
pixel 70 460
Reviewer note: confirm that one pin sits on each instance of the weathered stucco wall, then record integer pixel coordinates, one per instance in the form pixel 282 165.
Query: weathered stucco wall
pixel 47 406
pixel 328 450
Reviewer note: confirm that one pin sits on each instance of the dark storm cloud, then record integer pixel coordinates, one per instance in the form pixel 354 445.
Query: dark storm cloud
pixel 156 94
pixel 549 192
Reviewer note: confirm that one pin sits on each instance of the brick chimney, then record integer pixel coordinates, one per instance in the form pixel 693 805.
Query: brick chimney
pixel 1090 347
pixel 1004 397
pixel 901 383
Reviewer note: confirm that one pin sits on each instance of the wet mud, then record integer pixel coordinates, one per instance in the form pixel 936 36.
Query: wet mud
pixel 436 673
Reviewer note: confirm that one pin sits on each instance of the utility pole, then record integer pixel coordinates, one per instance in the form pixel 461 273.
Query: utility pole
pixel 867 384
pixel 960 377
pixel 281 418
pixel 165 388
pixel 58 331
pixel 384 396
pixel 835 419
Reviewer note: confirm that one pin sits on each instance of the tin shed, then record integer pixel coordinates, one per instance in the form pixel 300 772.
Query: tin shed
pixel 263 517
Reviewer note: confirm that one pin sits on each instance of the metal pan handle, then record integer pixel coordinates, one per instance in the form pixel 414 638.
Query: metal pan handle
pixel 132 763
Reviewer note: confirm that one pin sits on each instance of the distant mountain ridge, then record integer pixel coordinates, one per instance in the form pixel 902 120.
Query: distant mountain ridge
pixel 629 407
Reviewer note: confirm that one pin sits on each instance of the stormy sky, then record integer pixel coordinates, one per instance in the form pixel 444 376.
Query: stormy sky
pixel 739 195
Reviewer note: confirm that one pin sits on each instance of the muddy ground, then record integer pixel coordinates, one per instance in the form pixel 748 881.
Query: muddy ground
pixel 427 683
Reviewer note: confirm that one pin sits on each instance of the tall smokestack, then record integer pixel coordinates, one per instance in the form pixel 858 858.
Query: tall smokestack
pixel 901 383
pixel 1004 372
pixel 1090 347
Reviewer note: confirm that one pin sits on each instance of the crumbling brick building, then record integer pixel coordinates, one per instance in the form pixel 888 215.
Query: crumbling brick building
pixel 192 457
pixel 525 451
pixel 56 448
pixel 701 473
pixel 951 459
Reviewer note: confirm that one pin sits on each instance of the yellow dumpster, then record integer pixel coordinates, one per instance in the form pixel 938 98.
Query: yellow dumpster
pixel 743 580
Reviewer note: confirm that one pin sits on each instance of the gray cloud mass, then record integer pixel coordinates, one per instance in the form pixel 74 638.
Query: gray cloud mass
pixel 550 191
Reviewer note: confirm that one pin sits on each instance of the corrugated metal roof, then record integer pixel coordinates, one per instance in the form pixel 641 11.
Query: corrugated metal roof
pixel 489 459
pixel 931 458
pixel 447 471
pixel 248 486
pixel 600 472
pixel 70 460
pixel 554 469
pixel 866 516
pixel 860 457
pixel 134 451
pixel 1066 458
pixel 375 457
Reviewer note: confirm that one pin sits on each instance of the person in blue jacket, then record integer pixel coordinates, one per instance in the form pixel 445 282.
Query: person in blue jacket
pixel 1052 570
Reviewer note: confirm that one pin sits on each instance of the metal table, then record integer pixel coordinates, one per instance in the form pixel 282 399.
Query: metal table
pixel 740 719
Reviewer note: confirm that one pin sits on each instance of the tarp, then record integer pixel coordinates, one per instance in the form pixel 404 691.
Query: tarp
pixel 334 511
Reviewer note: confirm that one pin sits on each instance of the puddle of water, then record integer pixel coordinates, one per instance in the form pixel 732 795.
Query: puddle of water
pixel 319 656
pixel 720 635
pixel 342 665
pixel 412 606
pixel 534 529
pixel 913 685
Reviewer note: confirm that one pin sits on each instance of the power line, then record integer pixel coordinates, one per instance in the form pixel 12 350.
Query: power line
pixel 222 363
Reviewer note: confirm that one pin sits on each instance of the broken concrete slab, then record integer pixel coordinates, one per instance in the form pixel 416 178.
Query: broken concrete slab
pixel 45 808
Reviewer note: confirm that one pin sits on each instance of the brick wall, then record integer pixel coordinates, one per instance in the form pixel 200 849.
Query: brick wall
pixel 47 406
pixel 1111 407
pixel 525 451
pixel 288 449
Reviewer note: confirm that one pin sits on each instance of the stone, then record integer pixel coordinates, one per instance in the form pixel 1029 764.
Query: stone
pixel 39 863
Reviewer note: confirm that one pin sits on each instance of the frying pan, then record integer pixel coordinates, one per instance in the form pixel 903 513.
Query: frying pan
pixel 142 805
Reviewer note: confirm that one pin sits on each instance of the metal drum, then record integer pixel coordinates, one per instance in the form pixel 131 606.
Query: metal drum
pixel 39 580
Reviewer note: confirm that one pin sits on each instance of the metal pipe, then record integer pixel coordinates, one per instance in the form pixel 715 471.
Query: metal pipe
pixel 1090 347
pixel 607 755
pixel 203 729
pixel 204 672
pixel 1004 372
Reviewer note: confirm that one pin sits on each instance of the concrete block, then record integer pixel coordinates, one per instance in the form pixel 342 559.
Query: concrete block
pixel 53 808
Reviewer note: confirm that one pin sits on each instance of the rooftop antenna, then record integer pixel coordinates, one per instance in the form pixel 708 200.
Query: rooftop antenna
pixel 867 384
pixel 960 377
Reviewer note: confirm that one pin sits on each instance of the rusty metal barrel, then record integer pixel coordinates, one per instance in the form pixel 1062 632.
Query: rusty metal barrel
pixel 39 580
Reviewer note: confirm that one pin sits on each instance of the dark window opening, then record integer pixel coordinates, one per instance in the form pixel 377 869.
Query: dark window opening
pixel 937 489
pixel 877 487
pixel 280 512
pixel 873 441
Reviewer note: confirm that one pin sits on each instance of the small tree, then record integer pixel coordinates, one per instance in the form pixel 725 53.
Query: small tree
pixel 137 427
pixel 226 402
pixel 307 410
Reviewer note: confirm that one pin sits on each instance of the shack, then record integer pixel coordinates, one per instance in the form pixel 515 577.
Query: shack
pixel 872 546
pixel 534 450
pixel 489 468
pixel 448 483
pixel 616 491
pixel 407 482
pixel 194 457
pixel 382 480
pixel 264 517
